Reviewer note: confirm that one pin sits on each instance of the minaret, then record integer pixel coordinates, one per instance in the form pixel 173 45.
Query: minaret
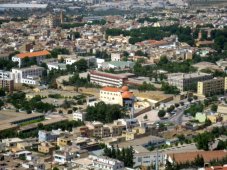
pixel 62 17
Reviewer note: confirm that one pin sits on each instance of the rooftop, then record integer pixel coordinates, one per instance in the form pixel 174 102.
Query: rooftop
pixel 190 156
pixel 33 54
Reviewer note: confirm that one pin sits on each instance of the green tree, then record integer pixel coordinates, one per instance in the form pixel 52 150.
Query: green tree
pixel 161 113
pixel 199 161
pixel 214 107
pixel 81 65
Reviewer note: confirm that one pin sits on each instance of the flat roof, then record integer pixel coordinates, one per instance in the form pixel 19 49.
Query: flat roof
pixel 179 76
pixel 7 117
pixel 139 141
pixel 23 5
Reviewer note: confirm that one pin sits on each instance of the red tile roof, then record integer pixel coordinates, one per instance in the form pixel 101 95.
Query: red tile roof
pixel 33 54
pixel 109 75
pixel 111 89
pixel 190 156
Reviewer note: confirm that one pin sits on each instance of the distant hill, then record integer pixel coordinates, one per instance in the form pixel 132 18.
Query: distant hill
pixel 206 2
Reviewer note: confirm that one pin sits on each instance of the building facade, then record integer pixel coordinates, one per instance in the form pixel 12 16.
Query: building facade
pixel 28 75
pixel 186 82
pixel 107 79
pixel 106 163
pixel 211 87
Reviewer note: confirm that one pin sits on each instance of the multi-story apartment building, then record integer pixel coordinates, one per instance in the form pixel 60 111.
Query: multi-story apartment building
pixel 211 87
pixel 46 136
pixel 7 84
pixel 28 75
pixel 106 163
pixel 107 79
pixel 96 129
pixel 39 56
pixel 187 81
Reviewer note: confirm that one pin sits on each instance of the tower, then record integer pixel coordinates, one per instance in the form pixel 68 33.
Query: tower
pixel 62 17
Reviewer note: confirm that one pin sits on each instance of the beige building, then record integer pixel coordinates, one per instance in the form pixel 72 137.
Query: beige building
pixel 46 147
pixel 136 132
pixel 64 141
pixel 210 87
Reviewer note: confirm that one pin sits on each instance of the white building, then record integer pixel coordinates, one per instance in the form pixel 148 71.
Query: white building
pixel 28 75
pixel 65 155
pixel 56 66
pixel 78 115
pixel 147 159
pixel 106 163
pixel 71 60
pixel 39 56
pixel 115 57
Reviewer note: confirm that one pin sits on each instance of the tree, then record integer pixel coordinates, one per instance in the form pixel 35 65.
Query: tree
pixel 161 113
pixel 55 168
pixel 168 89
pixel 1 104
pixel 214 108
pixel 105 113
pixel 81 65
pixel 176 105
pixel 70 111
pixel 2 92
pixel 56 51
pixel 204 140
pixel 207 122
pixel 190 99
pixel 199 161
pixel 221 145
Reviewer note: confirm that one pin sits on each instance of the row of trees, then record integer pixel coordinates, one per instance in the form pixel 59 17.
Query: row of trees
pixel 125 154
pixel 105 113
pixel 174 67
pixel 145 33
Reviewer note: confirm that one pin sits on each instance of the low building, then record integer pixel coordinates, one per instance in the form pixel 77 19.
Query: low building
pixel 67 154
pixel 46 147
pixel 211 87
pixel 65 140
pixel 134 133
pixel 56 66
pixel 106 163
pixel 119 65
pixel 79 116
pixel 115 57
pixel 201 117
